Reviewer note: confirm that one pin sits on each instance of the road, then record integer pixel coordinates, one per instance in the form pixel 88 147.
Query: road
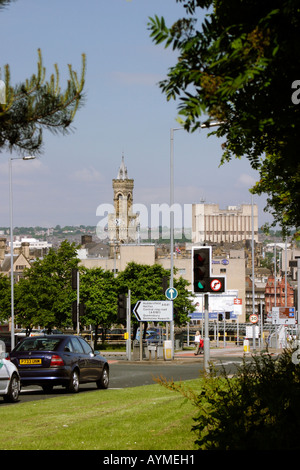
pixel 125 374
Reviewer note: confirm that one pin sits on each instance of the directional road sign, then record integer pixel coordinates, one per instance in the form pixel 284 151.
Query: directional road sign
pixel 171 293
pixel 153 310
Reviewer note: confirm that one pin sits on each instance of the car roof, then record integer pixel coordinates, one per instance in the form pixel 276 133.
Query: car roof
pixel 57 336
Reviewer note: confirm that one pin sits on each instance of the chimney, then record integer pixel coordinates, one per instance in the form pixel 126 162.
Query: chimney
pixel 25 249
pixel 2 249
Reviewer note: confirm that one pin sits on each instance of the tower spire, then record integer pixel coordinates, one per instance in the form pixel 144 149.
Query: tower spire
pixel 122 174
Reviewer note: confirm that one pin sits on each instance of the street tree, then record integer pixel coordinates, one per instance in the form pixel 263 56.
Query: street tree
pixel 37 104
pixel 146 283
pixel 238 63
pixel 44 295
pixel 99 294
pixel 5 296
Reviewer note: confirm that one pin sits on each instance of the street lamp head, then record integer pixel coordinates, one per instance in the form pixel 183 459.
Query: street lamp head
pixel 29 157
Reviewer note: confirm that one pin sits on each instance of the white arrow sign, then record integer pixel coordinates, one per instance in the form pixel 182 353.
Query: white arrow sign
pixel 171 293
pixel 153 310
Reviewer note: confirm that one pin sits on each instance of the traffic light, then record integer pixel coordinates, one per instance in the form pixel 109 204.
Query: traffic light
pixel 203 282
pixel 121 307
pixel 74 278
pixel 201 269
pixel 82 310
pixel 74 311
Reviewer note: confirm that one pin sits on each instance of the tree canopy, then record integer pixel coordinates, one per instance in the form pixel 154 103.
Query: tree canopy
pixel 44 295
pixel 146 283
pixel 239 66
pixel 37 104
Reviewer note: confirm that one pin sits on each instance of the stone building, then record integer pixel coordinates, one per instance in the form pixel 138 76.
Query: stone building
pixel 279 294
pixel 214 225
pixel 122 223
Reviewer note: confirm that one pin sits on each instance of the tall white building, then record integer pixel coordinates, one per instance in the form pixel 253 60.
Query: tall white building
pixel 215 225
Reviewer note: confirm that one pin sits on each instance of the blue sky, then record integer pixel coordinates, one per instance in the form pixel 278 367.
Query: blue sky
pixel 125 113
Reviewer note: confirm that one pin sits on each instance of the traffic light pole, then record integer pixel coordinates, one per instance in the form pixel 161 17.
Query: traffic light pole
pixel 78 303
pixel 206 343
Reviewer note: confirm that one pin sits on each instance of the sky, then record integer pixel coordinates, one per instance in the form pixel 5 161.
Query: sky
pixel 125 113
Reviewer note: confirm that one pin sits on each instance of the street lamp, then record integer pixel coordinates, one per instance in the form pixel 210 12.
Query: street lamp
pixel 202 126
pixel 29 157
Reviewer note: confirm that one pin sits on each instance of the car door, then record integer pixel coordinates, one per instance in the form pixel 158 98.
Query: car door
pixel 94 369
pixel 80 359
pixel 4 376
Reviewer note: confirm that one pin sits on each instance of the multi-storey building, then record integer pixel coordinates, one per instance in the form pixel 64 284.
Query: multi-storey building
pixel 279 294
pixel 214 225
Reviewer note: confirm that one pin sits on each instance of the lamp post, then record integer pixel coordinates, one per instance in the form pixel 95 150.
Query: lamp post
pixel 203 126
pixel 12 246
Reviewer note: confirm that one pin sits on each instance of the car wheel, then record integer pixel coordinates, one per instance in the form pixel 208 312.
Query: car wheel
pixel 13 389
pixel 74 382
pixel 104 380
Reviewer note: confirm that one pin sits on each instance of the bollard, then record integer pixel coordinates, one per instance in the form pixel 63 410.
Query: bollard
pixel 246 345
pixel 167 350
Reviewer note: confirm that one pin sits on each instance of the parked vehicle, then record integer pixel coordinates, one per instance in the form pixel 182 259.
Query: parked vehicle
pixel 9 381
pixel 65 360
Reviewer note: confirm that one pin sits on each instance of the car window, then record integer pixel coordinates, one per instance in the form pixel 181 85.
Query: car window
pixel 76 346
pixel 68 346
pixel 86 347
pixel 38 344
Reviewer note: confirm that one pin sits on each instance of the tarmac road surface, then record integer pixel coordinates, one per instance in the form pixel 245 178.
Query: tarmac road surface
pixel 124 373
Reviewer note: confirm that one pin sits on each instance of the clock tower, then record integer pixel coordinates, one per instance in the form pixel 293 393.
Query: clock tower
pixel 122 224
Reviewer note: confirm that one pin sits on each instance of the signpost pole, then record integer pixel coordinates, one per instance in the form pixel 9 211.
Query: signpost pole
pixel 141 340
pixel 78 300
pixel 128 326
pixel 298 298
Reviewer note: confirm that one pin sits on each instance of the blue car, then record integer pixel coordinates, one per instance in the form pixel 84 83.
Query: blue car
pixel 65 360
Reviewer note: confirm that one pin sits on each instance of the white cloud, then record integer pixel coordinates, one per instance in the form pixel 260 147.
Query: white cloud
pixel 87 175
pixel 245 180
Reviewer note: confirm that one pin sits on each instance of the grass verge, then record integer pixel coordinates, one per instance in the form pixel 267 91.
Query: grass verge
pixel 140 418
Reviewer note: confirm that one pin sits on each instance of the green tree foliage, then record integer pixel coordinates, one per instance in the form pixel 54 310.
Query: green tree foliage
pixel 5 296
pixel 258 409
pixel 37 104
pixel 44 296
pixel 98 292
pixel 238 67
pixel 145 283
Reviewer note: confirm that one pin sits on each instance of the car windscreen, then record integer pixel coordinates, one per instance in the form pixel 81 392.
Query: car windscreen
pixel 38 344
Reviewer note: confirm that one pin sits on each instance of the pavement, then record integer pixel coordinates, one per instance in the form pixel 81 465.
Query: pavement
pixel 188 355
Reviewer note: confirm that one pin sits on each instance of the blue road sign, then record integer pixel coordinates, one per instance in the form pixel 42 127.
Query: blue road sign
pixel 171 293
